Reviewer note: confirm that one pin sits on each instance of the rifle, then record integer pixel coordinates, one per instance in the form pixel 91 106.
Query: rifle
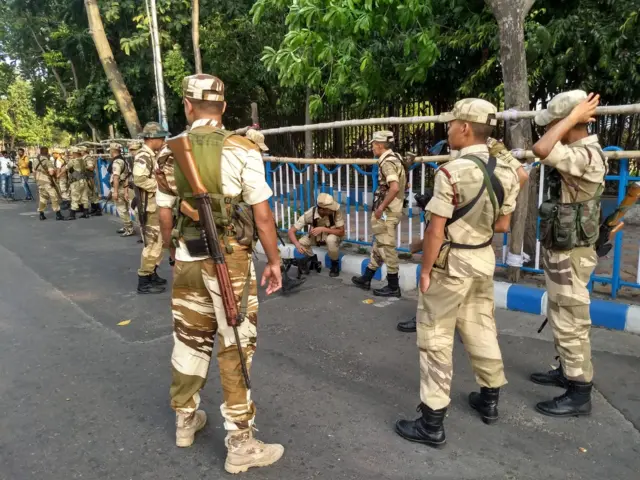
pixel 106 201
pixel 181 148
pixel 141 207
pixel 611 225
pixel 52 181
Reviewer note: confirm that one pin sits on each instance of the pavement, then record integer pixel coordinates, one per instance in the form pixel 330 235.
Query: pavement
pixel 84 398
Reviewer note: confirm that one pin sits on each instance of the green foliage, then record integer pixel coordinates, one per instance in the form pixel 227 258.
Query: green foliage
pixel 363 48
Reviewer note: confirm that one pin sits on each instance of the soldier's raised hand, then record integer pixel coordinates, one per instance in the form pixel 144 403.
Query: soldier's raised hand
pixel 585 111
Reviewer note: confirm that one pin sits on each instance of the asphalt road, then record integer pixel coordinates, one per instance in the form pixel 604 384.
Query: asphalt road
pixel 83 398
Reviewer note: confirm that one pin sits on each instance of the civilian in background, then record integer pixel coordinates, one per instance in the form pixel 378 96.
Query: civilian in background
pixel 25 172
pixel 6 174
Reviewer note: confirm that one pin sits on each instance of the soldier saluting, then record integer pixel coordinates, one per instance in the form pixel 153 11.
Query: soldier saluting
pixel 387 210
pixel 569 226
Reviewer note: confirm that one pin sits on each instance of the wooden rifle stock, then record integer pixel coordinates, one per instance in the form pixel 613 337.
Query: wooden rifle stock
pixel 183 155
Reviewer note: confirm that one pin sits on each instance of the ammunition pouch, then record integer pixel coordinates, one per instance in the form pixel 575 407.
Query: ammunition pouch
pixel 564 226
pixel 75 176
pixel 197 247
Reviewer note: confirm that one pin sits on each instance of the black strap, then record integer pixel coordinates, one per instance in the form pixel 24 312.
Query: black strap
pixel 497 190
pixel 332 219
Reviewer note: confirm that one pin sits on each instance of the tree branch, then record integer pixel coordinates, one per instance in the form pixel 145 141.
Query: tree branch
pixel 526 8
pixel 75 75
pixel 55 72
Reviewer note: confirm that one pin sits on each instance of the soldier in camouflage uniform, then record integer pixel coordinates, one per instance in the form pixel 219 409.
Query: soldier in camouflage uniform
pixel 77 184
pixel 387 206
pixel 61 176
pixel 474 197
pixel 569 226
pixel 121 178
pixel 44 171
pixel 90 171
pixel 327 224
pixel 502 154
pixel 144 166
pixel 198 312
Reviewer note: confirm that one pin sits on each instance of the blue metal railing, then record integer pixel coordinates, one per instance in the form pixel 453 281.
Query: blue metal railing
pixel 300 195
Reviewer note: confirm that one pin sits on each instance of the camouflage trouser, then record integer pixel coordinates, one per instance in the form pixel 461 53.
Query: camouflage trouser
pixel 332 241
pixel 465 304
pixel 122 207
pixel 152 251
pixel 79 197
pixel 567 275
pixel 63 183
pixel 47 193
pixel 198 314
pixel 92 194
pixel 384 244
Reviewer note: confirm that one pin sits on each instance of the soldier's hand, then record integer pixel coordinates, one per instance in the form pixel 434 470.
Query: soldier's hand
pixel 425 281
pixel 318 231
pixel 273 276
pixel 378 213
pixel 114 196
pixel 416 246
pixel 300 249
pixel 585 111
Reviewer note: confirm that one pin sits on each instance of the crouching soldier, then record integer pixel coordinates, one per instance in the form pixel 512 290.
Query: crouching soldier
pixel 327 228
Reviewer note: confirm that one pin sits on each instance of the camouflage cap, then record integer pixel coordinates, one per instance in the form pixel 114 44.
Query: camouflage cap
pixel 57 150
pixel 384 136
pixel 258 138
pixel 74 150
pixel 83 149
pixel 115 146
pixel 135 146
pixel 154 130
pixel 473 110
pixel 560 106
pixel 326 201
pixel 203 87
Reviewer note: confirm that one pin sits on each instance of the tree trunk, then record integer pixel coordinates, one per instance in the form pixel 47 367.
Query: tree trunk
pixel 116 82
pixel 510 15
pixel 195 34
pixel 255 118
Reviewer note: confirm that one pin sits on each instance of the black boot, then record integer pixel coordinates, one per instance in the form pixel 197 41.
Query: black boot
pixel 364 282
pixel 83 212
pixel 335 269
pixel 486 403
pixel 576 401
pixel 408 326
pixel 121 230
pixel 145 285
pixel 42 217
pixel 59 215
pixel 157 279
pixel 428 429
pixel 288 283
pixel 553 377
pixel 96 211
pixel 72 215
pixel 392 289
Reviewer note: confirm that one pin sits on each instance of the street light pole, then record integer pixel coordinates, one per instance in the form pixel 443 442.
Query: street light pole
pixel 157 62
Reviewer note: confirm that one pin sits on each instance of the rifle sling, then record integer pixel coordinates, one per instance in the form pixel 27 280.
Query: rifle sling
pixel 496 194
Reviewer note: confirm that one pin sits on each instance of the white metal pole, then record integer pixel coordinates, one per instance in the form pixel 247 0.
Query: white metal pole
pixel 155 43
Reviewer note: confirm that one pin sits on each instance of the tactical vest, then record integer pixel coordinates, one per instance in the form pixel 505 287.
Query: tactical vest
pixel 232 216
pixel 564 226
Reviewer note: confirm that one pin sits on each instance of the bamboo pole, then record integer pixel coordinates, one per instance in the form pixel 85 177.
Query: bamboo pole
pixel 519 154
pixel 506 116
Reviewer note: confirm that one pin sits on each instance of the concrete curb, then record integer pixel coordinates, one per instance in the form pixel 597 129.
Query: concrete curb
pixel 520 298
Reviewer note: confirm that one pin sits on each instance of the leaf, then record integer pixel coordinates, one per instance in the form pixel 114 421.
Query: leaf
pixel 124 323
pixel 368 301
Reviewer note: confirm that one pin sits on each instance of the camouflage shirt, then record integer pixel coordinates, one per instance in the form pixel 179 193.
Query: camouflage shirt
pixel 391 170
pixel 242 173
pixel 456 184
pixel 312 215
pixel 143 175
pixel 581 165
pixel 119 168
pixel 40 169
